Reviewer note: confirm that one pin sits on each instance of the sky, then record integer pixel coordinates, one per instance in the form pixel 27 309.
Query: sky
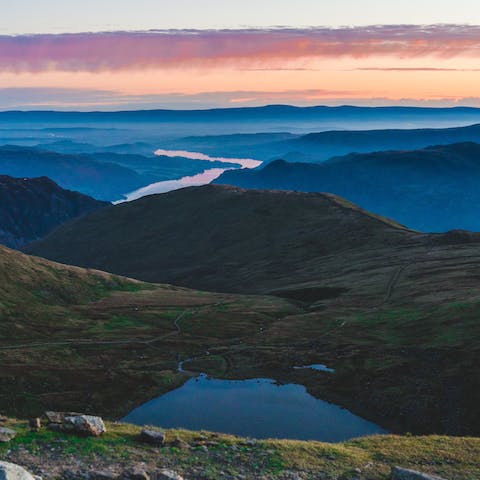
pixel 108 55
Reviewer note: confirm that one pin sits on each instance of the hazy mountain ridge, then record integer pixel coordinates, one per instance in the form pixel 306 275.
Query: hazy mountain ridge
pixel 32 208
pixel 323 145
pixel 101 180
pixel 106 176
pixel 157 124
pixel 433 189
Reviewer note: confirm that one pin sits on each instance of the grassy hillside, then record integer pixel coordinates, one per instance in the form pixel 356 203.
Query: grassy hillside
pixel 213 456
pixel 220 238
pixel 86 340
pixel 393 311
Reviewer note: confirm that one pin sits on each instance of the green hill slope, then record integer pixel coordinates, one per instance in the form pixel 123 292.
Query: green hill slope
pixel 393 311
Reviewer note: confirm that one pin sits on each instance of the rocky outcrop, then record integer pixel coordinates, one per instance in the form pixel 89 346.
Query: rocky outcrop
pixel 6 434
pixel 136 473
pixel 10 471
pixel 153 437
pixel 35 424
pixel 399 473
pixel 168 475
pixel 78 424
pixel 59 417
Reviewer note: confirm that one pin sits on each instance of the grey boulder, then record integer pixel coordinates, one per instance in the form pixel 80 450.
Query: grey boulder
pixel 10 471
pixel 168 475
pixel 399 473
pixel 59 417
pixel 135 473
pixel 154 437
pixel 6 435
pixel 85 425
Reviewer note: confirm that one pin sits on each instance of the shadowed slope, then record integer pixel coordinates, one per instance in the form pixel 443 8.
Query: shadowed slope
pixel 220 238
pixel 31 208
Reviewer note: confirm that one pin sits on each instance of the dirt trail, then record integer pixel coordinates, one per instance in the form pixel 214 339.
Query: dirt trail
pixel 392 283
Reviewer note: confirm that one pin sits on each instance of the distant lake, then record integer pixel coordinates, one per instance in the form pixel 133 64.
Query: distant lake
pixel 195 180
pixel 244 162
pixel 258 408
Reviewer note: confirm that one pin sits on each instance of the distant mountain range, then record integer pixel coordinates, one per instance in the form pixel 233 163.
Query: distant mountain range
pixel 31 208
pixel 407 113
pixel 318 147
pixel 324 145
pixel 271 118
pixel 433 189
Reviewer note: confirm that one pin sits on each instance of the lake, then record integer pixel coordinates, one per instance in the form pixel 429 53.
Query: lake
pixel 195 180
pixel 259 408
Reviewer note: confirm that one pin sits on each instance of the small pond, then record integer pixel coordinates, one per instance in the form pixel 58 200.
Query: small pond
pixel 259 408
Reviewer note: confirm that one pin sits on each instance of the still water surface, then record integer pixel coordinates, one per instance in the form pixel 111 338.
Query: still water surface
pixel 195 180
pixel 258 408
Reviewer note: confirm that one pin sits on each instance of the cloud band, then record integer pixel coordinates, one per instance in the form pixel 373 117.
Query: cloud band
pixel 113 51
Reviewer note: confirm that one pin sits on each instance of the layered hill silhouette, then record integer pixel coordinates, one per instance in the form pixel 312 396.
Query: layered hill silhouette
pixel 433 189
pixel 393 311
pixel 32 208
pixel 139 157
pixel 102 180
pixel 324 145
pixel 321 146
pixel 106 175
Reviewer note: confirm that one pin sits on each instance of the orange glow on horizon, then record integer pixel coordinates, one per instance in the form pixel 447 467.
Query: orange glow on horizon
pixel 321 81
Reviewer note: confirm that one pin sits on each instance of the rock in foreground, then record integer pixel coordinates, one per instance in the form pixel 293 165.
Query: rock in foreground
pixel 10 471
pixel 406 474
pixel 168 475
pixel 6 435
pixel 153 437
pixel 84 425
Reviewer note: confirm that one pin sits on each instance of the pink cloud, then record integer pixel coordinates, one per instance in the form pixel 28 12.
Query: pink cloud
pixel 94 52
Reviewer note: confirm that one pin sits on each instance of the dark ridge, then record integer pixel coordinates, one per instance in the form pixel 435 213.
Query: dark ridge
pixel 32 208
pixel 434 189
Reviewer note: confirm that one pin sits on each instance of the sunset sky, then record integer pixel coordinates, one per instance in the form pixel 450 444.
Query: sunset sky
pixel 107 54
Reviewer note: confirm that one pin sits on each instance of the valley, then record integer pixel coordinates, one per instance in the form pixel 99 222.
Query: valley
pixel 239 240
pixel 391 310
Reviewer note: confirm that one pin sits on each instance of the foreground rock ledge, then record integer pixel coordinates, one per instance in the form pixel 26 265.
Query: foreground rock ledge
pixel 399 473
pixel 10 471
